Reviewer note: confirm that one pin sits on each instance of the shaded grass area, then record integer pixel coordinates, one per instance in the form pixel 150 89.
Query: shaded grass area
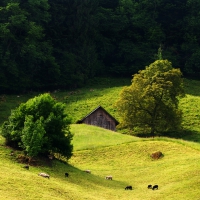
pixel 79 102
pixel 105 92
pixel 192 87
pixel 191 117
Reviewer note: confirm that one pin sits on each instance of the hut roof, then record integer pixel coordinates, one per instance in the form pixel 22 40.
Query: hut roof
pixel 99 107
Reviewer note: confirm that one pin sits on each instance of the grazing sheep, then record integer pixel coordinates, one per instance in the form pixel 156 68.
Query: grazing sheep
pixel 44 175
pixel 129 187
pixel 108 177
pixel 149 186
pixel 155 187
pixel 66 174
pixel 26 167
pixel 87 171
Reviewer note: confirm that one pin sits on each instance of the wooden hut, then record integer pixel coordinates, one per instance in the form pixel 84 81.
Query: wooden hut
pixel 100 117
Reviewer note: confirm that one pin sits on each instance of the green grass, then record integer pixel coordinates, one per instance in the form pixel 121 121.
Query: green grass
pixel 176 173
pixel 129 162
pixel 79 102
pixel 105 92
pixel 104 152
pixel 90 137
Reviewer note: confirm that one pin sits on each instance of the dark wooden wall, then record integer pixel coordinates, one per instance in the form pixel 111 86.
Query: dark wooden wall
pixel 101 119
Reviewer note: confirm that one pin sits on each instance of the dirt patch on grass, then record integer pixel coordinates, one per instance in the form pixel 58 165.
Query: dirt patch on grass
pixel 157 155
pixel 37 161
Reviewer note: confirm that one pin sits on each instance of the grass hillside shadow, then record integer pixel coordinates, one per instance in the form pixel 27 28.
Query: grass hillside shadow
pixel 83 179
pixel 187 135
pixel 191 87
pixel 109 82
pixel 193 136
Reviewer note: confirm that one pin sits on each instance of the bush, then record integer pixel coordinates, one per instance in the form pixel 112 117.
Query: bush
pixel 39 126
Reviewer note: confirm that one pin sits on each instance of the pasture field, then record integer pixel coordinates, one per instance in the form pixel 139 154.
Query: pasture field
pixel 126 158
pixel 105 92
pixel 79 102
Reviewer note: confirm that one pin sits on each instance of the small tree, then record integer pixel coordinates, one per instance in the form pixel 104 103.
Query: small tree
pixel 39 126
pixel 32 136
pixel 151 102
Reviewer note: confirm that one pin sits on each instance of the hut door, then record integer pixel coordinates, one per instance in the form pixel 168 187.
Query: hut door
pixel 108 125
pixel 100 120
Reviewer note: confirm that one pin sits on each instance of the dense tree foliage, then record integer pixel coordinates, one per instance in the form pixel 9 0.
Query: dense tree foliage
pixel 151 102
pixel 39 126
pixel 47 44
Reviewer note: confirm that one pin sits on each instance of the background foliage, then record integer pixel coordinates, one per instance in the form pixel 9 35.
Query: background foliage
pixel 50 44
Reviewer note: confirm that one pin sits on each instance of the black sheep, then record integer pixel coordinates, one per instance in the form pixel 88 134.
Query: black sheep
pixel 129 187
pixel 149 186
pixel 155 187
pixel 26 167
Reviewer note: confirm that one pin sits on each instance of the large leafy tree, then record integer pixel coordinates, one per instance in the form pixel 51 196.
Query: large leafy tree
pixel 39 126
pixel 151 102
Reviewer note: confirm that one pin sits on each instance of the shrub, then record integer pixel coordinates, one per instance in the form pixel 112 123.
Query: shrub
pixel 39 126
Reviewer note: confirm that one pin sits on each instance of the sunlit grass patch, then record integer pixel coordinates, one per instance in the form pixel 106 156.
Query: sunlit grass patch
pixel 90 137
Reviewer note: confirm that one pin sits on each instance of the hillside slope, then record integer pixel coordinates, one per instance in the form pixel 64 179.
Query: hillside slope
pixel 104 152
pixel 126 158
pixel 90 137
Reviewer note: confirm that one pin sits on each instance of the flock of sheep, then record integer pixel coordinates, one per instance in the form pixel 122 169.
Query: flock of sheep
pixel 129 187
pixel 155 187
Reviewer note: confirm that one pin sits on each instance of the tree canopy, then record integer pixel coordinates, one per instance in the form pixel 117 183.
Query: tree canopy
pixel 47 44
pixel 151 102
pixel 39 126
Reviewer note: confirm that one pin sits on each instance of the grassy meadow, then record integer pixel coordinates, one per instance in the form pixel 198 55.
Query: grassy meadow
pixel 126 158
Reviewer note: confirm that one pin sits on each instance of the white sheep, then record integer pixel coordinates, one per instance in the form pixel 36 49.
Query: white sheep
pixel 87 171
pixel 108 177
pixel 44 175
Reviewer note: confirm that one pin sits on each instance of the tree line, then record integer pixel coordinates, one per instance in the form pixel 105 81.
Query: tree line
pixel 48 44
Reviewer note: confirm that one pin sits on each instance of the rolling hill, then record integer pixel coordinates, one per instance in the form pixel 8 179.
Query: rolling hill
pixel 126 158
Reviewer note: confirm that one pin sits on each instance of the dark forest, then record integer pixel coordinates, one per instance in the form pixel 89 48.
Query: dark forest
pixel 51 44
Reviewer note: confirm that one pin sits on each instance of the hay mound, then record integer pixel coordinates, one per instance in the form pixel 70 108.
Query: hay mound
pixel 156 155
